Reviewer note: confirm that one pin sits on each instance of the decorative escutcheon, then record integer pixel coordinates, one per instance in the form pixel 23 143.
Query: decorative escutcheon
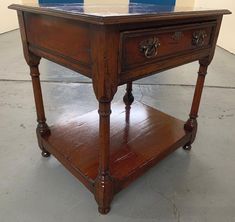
pixel 177 36
pixel 199 38
pixel 150 47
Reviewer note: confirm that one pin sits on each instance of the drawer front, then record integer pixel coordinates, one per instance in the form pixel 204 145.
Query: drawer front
pixel 147 46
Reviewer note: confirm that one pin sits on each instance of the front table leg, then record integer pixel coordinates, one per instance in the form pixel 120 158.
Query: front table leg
pixel 104 182
pixel 191 125
pixel 42 127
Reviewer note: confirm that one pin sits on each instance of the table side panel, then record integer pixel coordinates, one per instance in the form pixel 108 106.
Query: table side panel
pixel 63 41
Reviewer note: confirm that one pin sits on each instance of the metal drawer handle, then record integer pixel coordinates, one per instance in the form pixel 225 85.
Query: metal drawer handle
pixel 199 38
pixel 150 47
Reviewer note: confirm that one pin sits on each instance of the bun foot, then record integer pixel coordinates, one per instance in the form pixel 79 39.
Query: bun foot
pixel 187 147
pixel 104 210
pixel 45 154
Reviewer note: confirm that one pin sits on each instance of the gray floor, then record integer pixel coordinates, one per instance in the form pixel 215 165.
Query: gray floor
pixel 198 186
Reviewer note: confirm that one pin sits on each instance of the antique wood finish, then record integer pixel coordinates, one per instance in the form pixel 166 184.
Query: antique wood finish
pixel 42 128
pixel 52 44
pixel 191 125
pixel 128 145
pixel 109 148
pixel 172 42
pixel 33 62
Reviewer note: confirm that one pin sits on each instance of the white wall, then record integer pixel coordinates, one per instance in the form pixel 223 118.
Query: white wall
pixel 227 33
pixel 29 1
pixel 185 3
pixel 8 18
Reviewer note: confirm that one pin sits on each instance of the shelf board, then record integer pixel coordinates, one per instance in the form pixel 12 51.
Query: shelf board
pixel 138 141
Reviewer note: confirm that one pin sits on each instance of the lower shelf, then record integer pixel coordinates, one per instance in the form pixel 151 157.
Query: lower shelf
pixel 139 139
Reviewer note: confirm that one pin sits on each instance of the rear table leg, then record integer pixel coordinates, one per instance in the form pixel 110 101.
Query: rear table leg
pixel 128 97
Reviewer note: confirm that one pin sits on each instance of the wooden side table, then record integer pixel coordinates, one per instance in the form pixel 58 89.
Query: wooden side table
pixel 115 45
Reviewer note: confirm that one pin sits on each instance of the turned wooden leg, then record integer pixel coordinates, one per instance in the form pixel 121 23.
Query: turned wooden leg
pixel 191 124
pixel 104 182
pixel 42 127
pixel 128 97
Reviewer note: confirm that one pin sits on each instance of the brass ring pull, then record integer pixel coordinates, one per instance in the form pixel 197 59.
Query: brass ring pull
pixel 199 38
pixel 150 47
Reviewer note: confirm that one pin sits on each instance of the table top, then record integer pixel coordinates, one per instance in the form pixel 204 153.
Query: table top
pixel 116 13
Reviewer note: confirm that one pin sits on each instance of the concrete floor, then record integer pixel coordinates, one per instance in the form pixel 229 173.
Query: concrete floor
pixel 196 186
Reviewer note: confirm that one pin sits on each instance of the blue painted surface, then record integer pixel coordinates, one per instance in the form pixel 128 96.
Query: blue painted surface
pixel 134 8
pixel 159 2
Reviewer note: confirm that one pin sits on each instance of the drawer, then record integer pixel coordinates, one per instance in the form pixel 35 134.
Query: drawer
pixel 147 46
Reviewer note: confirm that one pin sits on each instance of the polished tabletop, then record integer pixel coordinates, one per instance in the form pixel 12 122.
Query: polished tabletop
pixel 111 9
pixel 115 10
